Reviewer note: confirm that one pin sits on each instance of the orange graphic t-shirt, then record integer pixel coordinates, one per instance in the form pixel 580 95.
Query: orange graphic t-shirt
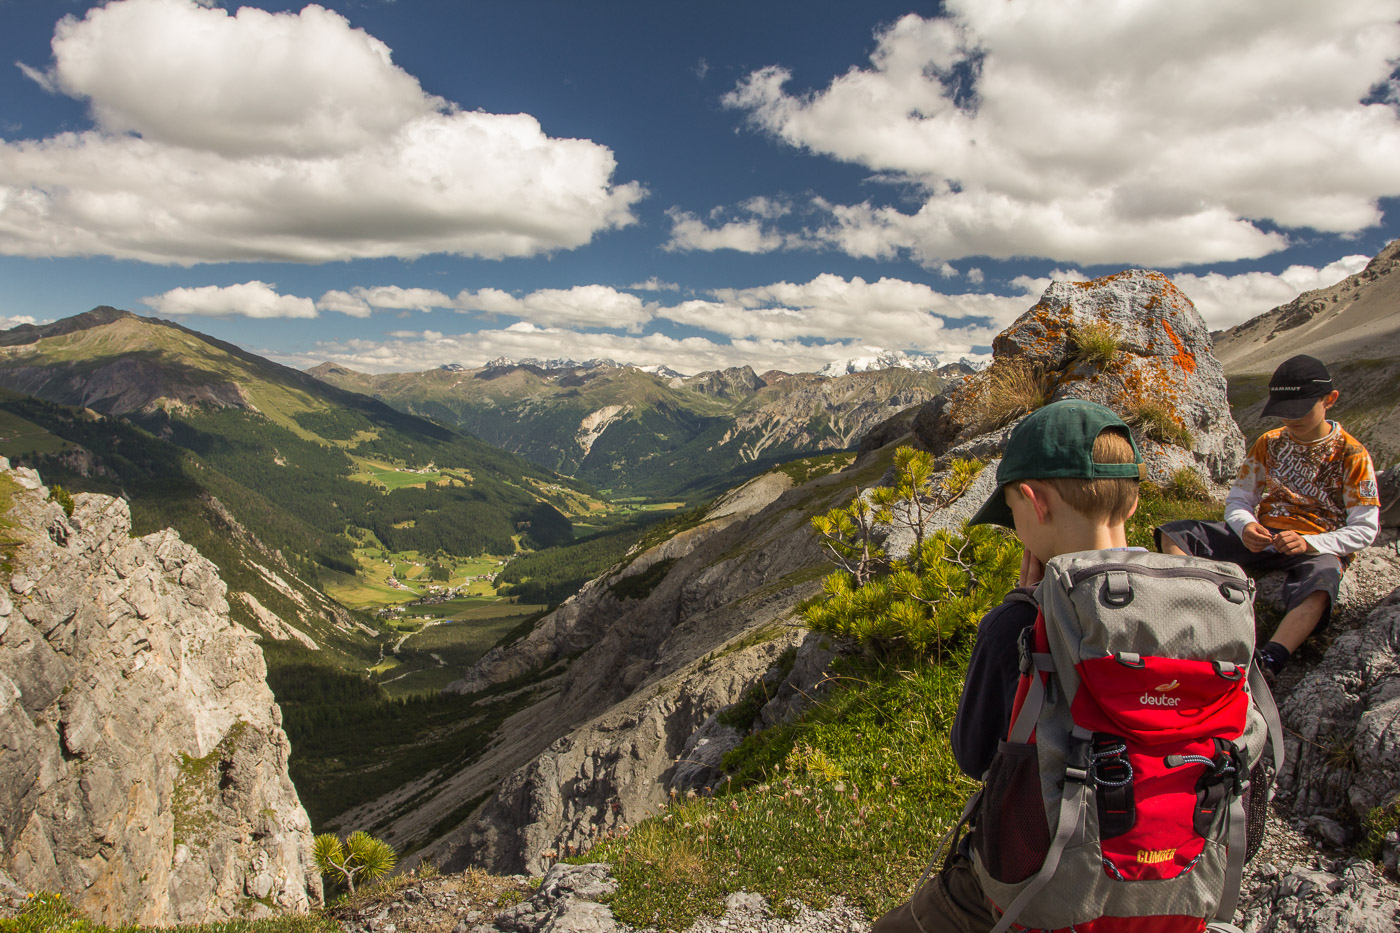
pixel 1308 488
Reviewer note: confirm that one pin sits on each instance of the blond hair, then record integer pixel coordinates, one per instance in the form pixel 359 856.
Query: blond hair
pixel 1106 500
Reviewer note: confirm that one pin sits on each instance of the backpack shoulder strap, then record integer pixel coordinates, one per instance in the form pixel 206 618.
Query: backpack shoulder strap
pixel 1237 842
pixel 1036 667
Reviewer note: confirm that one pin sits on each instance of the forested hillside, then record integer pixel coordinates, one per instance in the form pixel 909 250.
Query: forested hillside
pixel 323 458
pixel 332 517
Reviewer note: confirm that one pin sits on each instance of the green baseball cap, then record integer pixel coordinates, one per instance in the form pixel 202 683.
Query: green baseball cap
pixel 1057 442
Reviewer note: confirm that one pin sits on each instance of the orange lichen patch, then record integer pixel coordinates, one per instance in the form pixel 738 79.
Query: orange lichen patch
pixel 1183 357
pixel 1151 382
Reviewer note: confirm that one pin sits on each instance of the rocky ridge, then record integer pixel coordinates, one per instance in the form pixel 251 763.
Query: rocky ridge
pixel 1353 319
pixel 144 767
pixel 625 681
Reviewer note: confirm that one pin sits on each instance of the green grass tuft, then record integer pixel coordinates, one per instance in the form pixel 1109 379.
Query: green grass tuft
pixel 1376 825
pixel 1187 485
pixel 852 798
pixel 51 913
pixel 1096 343
pixel 1156 421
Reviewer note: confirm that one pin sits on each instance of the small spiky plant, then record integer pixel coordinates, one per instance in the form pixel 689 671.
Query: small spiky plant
pixel 1096 343
pixel 1006 390
pixel 362 856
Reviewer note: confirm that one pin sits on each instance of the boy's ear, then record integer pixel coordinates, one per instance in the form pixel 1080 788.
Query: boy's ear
pixel 1037 495
pixel 1330 398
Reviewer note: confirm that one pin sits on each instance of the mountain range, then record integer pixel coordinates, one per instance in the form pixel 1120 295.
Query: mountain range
pixel 635 431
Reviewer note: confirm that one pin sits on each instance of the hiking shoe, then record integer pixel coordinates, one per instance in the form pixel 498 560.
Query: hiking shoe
pixel 1266 665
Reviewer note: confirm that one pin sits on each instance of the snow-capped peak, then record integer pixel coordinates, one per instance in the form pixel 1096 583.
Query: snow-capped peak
pixel 889 359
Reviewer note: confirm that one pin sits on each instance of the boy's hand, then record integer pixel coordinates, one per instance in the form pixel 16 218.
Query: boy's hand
pixel 1256 537
pixel 1032 570
pixel 1290 542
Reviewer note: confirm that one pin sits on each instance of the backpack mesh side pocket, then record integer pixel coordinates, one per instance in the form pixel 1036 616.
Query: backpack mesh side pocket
pixel 1256 809
pixel 1012 832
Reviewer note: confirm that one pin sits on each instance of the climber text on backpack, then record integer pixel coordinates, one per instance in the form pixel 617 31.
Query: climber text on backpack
pixel 1119 799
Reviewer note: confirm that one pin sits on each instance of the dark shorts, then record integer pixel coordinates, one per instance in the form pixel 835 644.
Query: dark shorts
pixel 1305 573
pixel 949 902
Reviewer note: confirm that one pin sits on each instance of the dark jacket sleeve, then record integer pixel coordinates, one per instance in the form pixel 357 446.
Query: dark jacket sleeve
pixel 993 672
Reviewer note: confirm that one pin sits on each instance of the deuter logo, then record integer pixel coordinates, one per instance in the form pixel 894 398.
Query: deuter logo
pixel 1165 687
pixel 1148 699
pixel 1153 856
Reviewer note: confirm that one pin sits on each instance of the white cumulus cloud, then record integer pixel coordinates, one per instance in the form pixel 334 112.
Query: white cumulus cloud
pixel 753 235
pixel 361 302
pixel 1227 300
pixel 892 312
pixel 1092 131
pixel 654 284
pixel 581 306
pixel 283 136
pixel 250 299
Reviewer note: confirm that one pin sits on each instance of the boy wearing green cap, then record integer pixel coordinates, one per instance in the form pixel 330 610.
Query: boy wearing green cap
pixel 1305 500
pixel 1068 481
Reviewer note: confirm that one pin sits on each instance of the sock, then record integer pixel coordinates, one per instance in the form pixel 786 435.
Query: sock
pixel 1275 656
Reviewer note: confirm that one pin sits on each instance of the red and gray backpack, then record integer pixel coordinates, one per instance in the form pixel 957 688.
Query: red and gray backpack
pixel 1132 785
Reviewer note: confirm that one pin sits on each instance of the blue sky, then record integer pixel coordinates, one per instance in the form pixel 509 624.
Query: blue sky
pixel 397 185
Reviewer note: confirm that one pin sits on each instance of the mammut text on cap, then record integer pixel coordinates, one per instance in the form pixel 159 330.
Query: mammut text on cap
pixel 1295 387
pixel 1057 442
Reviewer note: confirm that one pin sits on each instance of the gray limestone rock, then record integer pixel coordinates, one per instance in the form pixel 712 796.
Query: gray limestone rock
pixel 566 902
pixel 1343 723
pixel 610 772
pixel 1350 898
pixel 143 768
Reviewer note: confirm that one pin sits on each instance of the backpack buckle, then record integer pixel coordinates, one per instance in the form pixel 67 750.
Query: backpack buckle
pixel 1025 649
pixel 1078 761
pixel 1228 670
pixel 1117 588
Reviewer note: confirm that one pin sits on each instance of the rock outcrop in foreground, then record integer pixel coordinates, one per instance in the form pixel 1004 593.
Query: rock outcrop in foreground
pixel 143 767
pixel 1160 375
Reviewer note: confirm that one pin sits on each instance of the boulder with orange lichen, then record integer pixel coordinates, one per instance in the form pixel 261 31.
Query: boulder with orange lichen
pixel 1132 341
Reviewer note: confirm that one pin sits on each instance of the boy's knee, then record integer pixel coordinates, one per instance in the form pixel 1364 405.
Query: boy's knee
pixel 1166 545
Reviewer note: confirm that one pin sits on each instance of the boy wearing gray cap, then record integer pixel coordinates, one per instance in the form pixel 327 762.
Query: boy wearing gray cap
pixel 1305 500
